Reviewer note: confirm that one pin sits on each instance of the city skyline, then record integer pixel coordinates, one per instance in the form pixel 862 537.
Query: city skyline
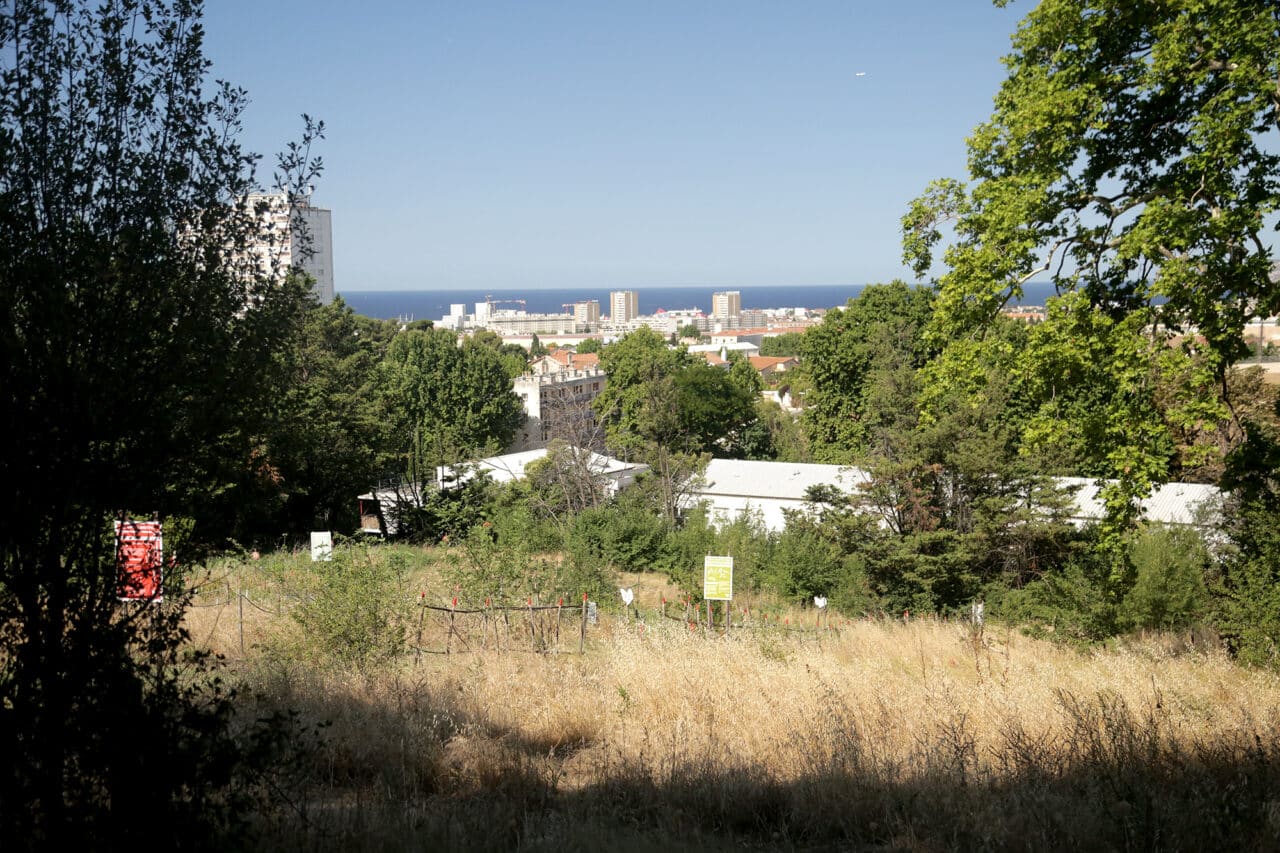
pixel 537 147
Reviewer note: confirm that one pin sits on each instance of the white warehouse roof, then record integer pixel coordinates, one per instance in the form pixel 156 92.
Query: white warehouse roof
pixel 733 487
pixel 781 480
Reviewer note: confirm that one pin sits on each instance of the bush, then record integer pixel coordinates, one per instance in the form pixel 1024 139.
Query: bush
pixel 625 533
pixel 485 566
pixel 1247 596
pixel 356 607
pixel 1169 590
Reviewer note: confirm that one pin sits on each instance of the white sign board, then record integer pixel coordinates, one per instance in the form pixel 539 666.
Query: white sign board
pixel 321 546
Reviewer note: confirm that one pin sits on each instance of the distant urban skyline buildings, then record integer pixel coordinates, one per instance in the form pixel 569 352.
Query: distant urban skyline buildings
pixel 726 304
pixel 624 306
pixel 586 311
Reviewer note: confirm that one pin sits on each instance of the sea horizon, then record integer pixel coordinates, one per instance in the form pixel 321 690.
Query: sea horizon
pixel 432 304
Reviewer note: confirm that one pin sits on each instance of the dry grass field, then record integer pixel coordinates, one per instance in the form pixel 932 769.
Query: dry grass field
pixel 875 735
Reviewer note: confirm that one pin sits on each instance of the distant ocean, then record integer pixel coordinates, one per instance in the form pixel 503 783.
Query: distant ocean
pixel 434 304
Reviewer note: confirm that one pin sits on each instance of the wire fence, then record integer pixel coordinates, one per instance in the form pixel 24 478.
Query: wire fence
pixel 559 628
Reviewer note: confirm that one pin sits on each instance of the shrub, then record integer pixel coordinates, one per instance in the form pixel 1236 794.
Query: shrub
pixel 357 607
pixel 1169 590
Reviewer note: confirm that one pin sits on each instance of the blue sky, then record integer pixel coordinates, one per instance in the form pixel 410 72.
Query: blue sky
pixel 575 144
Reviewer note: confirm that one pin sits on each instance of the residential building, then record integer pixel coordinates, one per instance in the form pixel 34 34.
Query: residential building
pixel 726 305
pixel 586 314
pixel 297 235
pixel 624 306
pixel 557 403
pixel 520 322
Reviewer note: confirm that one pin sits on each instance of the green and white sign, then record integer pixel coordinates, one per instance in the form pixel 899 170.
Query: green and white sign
pixel 717 578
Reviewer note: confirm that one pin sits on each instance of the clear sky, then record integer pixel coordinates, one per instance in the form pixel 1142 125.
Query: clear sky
pixel 534 144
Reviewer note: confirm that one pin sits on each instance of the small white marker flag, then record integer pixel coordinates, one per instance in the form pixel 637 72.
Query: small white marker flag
pixel 628 595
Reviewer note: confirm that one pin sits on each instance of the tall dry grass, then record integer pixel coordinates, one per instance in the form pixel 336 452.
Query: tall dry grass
pixel 882 735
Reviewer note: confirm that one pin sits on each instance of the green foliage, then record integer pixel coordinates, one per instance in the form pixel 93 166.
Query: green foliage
pixel 590 345
pixel 564 482
pixel 1134 141
pixel 515 359
pixel 788 343
pixel 1079 600
pixel 804 564
pixel 140 354
pixel 685 548
pixel 444 402
pixel 1247 593
pixel 1169 587
pixel 1131 160
pixel 878 331
pixel 450 511
pixel 485 567
pixel 325 443
pixel 356 607
pixel 661 396
pixel 626 534
pixel 1070 604
pixel 690 331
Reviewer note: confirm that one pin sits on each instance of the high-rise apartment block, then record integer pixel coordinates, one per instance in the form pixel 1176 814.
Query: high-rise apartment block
pixel 624 306
pixel 726 305
pixel 295 235
pixel 587 313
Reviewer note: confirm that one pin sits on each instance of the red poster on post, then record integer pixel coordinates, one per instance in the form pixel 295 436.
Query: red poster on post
pixel 139 560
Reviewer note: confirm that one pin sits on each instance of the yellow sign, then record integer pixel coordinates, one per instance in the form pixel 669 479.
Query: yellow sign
pixel 717 578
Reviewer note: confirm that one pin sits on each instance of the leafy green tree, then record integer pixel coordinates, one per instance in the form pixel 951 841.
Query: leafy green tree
pixel 669 410
pixel 1247 591
pixel 713 407
pixel 882 326
pixel 590 345
pixel 1132 160
pixel 326 445
pixel 788 343
pixel 514 357
pixel 690 331
pixel 140 354
pixel 445 402
pixel 636 365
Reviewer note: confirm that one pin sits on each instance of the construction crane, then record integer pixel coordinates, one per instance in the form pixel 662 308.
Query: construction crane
pixel 490 301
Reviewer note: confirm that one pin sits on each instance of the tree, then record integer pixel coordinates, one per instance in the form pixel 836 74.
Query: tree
pixel 445 402
pixel 140 352
pixel 882 327
pixel 590 345
pixel 327 443
pixel 788 343
pixel 515 359
pixel 1132 160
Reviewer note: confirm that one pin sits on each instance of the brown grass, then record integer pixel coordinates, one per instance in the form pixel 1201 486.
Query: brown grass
pixel 880 735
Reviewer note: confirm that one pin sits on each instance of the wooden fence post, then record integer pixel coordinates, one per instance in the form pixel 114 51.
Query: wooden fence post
pixel 422 614
pixel 559 607
pixel 448 641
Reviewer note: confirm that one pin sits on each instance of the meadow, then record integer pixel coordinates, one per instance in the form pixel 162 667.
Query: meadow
pixel 875 734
